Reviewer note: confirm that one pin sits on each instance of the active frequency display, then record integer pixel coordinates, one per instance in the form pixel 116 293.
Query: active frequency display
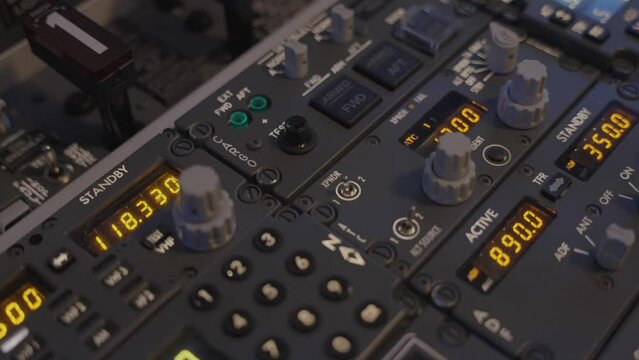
pixel 19 299
pixel 505 248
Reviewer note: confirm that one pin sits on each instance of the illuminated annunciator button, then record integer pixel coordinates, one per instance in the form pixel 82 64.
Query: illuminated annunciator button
pixel 449 172
pixel 203 214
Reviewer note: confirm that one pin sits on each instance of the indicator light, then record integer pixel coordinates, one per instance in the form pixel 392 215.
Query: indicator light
pixel 259 103
pixel 239 119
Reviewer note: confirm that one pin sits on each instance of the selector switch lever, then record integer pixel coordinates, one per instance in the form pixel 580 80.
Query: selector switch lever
pixel 503 48
pixel 614 249
pixel 295 59
pixel 449 173
pixel 523 100
pixel 342 24
pixel 203 214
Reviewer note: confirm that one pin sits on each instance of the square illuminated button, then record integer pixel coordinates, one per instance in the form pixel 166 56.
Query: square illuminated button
pixel 388 65
pixel 345 101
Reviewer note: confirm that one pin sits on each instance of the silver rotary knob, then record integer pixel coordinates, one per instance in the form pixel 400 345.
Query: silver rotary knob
pixel 523 100
pixel 613 251
pixel 449 172
pixel 203 214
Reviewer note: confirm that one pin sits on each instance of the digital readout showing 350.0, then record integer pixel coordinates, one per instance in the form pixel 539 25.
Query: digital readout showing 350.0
pixel 137 207
pixel 516 234
pixel 596 144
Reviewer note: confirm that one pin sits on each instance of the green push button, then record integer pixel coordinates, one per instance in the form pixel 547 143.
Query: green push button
pixel 239 119
pixel 259 103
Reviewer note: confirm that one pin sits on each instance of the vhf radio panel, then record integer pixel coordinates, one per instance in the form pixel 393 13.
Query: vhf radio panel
pixel 377 180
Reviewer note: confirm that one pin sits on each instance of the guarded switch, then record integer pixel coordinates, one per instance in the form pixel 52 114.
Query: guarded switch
pixel 614 249
pixel 449 173
pixel 203 214
pixel 342 24
pixel 296 59
pixel 503 47
pixel 523 100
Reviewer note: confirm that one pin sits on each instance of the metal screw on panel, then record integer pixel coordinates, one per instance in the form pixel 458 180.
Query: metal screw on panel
pixel 452 333
pixel 268 177
pixel 604 282
pixel 486 180
pixel 249 193
pixel 305 201
pixel 422 284
pixel 200 131
pixel 384 252
pixel 593 210
pixel 49 223
pixel 526 170
pixel 325 213
pixel 445 296
pixel 169 133
pixel 269 202
pixel 622 67
pixel 288 215
pixel 372 141
pixel 536 352
pixel 254 144
pixel 629 91
pixel 182 147
pixel 16 250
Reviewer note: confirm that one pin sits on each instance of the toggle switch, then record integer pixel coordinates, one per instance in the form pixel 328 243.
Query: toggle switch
pixel 295 59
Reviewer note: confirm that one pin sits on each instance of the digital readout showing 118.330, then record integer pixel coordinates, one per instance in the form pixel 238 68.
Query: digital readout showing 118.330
pixel 504 249
pixel 596 144
pixel 138 207
pixel 453 113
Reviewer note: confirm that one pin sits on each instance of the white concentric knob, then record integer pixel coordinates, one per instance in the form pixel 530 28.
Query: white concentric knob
pixel 523 100
pixel 449 172
pixel 203 214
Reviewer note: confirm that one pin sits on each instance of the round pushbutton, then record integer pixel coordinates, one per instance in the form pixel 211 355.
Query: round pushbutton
pixel 305 319
pixel 270 293
pixel 335 288
pixel 238 323
pixel 272 349
pixel 371 314
pixel 496 155
pixel 341 346
pixel 204 297
pixel 267 240
pixel 236 268
pixel 300 263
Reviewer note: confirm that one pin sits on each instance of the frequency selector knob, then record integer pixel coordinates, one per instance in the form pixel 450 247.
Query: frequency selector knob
pixel 295 59
pixel 503 47
pixel 203 214
pixel 612 252
pixel 342 24
pixel 523 100
pixel 449 172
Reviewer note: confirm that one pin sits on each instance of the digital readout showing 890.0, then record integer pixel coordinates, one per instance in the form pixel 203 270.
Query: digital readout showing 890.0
pixel 501 253
pixel 138 207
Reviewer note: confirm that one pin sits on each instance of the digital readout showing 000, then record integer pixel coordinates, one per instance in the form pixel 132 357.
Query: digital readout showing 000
pixel 453 113
pixel 19 299
pixel 137 207
pixel 515 236
pixel 596 144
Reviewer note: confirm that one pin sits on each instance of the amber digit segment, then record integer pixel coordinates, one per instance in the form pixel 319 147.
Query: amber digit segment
pixel 518 232
pixel 454 113
pixel 137 207
pixel 18 300
pixel 596 144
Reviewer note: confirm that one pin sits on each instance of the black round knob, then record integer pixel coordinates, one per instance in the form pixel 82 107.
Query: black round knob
pixel 298 136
